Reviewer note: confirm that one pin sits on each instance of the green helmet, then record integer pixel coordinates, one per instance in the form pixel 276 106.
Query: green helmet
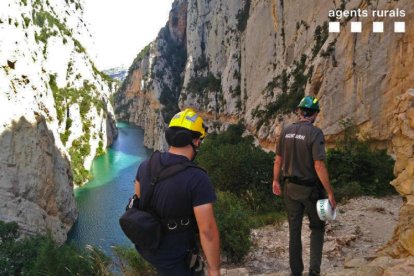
pixel 309 102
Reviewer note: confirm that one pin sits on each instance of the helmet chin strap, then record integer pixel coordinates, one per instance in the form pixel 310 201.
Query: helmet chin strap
pixel 195 149
pixel 310 119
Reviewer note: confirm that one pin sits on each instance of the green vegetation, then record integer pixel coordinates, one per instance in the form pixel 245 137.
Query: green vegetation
pixel 26 21
pixel 104 76
pixel 293 89
pixel 175 55
pixel 236 165
pixel 100 150
pixel 343 5
pixel 65 136
pixel 357 169
pixel 131 263
pixel 321 35
pixel 79 150
pixel 144 53
pixel 40 18
pixel 197 85
pixel 242 16
pixel 329 50
pixel 39 255
pixel 46 21
pixel 234 223
pixel 302 23
pixel 242 173
pixel 78 46
pixel 85 97
pixel 137 61
pixel 201 63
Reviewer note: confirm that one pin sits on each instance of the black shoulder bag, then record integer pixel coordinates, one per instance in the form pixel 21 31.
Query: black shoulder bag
pixel 141 224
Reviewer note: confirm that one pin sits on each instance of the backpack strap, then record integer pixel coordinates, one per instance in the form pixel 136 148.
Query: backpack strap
pixel 158 172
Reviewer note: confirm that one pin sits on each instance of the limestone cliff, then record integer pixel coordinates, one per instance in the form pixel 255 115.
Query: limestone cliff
pixel 55 113
pixel 150 93
pixel 252 61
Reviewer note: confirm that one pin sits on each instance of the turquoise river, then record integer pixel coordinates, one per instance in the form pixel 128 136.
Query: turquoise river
pixel 102 200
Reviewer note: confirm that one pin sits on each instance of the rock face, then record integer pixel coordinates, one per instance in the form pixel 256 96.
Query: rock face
pixel 252 61
pixel 149 94
pixel 55 113
pixel 36 181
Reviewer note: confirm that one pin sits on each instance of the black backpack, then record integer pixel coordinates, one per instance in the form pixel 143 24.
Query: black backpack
pixel 140 223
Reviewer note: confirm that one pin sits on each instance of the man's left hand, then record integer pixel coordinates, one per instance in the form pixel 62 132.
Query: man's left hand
pixel 276 188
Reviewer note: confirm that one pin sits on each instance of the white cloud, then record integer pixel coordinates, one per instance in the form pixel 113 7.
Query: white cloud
pixel 121 28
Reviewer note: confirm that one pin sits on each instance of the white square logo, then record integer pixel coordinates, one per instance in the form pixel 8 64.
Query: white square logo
pixel 356 27
pixel 378 27
pixel 399 27
pixel 334 27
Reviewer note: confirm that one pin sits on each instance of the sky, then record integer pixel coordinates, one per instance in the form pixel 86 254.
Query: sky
pixel 121 28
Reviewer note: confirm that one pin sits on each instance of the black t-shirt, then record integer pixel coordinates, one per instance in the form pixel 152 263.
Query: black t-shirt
pixel 172 198
pixel 176 196
pixel 300 144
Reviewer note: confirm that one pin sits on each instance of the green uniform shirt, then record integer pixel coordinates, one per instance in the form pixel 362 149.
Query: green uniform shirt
pixel 299 145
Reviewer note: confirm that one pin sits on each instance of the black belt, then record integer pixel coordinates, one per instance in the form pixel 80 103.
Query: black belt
pixel 297 181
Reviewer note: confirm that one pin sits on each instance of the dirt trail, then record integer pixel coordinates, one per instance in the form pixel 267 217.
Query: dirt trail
pixel 363 225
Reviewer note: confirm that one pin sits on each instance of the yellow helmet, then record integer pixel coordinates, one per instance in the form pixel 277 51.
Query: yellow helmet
pixel 190 120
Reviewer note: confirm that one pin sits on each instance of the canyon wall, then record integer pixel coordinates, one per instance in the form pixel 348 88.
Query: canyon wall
pixel 252 61
pixel 55 113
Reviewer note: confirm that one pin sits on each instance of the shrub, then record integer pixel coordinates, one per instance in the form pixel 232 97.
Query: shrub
pixel 26 21
pixel 40 255
pixel 321 35
pixel 242 16
pixel 65 260
pixel 236 165
pixel 286 101
pixel 329 50
pixel 79 150
pixel 202 63
pixel 100 150
pixel 65 136
pixel 40 18
pixel 131 263
pixel 79 47
pixel 356 168
pixel 197 85
pixel 233 219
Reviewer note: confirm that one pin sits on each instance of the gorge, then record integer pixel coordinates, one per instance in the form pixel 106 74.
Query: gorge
pixel 234 61
pixel 251 61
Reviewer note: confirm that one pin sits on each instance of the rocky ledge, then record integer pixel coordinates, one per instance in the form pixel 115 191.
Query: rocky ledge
pixel 363 226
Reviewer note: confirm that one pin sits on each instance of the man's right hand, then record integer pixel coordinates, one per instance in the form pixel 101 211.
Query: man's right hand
pixel 276 188
pixel 331 198
pixel 214 272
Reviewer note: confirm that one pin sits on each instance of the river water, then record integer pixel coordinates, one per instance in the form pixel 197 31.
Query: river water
pixel 102 200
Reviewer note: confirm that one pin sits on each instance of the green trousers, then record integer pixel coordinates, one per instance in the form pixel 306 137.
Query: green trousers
pixel 297 201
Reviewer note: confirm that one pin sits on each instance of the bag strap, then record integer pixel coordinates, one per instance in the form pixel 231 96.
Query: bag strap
pixel 158 172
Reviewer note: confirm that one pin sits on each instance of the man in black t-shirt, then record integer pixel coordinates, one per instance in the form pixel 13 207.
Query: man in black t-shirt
pixel 187 194
pixel 300 154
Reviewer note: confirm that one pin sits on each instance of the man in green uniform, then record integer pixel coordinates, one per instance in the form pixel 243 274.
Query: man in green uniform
pixel 300 154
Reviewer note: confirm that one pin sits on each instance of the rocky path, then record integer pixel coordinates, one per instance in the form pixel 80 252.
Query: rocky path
pixel 363 225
